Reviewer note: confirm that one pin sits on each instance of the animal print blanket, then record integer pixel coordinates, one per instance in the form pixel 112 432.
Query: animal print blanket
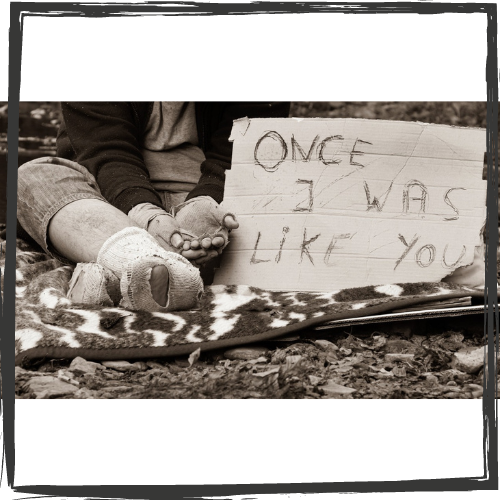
pixel 50 325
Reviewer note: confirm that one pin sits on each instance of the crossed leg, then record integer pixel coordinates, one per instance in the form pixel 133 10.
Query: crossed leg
pixel 78 231
pixel 61 208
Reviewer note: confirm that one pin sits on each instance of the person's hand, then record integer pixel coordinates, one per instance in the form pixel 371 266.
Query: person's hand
pixel 163 227
pixel 204 225
pixel 472 275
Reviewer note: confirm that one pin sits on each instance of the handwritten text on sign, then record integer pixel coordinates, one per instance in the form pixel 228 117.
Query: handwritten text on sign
pixel 325 204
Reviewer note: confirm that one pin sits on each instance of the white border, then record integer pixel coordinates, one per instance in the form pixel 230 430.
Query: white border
pixel 61 80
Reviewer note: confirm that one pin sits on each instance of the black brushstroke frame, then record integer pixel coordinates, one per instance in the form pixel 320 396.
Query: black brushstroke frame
pixel 489 481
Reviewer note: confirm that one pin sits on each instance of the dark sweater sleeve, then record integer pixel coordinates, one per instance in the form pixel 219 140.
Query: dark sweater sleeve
pixel 219 150
pixel 104 137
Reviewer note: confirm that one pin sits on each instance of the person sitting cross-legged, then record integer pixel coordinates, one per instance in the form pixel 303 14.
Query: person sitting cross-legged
pixel 133 198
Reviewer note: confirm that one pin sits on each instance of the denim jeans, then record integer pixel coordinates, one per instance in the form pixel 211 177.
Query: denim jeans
pixel 47 184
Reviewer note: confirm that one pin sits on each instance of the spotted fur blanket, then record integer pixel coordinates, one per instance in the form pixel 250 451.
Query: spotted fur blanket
pixel 50 325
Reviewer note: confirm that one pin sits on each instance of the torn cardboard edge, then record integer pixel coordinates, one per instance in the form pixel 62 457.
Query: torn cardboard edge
pixel 241 125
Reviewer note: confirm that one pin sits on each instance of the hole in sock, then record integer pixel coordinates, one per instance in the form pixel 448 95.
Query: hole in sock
pixel 159 285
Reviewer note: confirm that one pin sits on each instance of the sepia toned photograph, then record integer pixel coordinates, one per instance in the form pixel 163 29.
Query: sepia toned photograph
pixel 249 250
pixel 311 217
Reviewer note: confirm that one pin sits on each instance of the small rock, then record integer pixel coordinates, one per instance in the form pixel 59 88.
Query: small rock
pixel 345 352
pixel 393 357
pixel 47 386
pixel 331 388
pixel 121 366
pixel 80 366
pixel 431 379
pixel 452 382
pixel 246 353
pixel 469 360
pixel 399 371
pixel 326 345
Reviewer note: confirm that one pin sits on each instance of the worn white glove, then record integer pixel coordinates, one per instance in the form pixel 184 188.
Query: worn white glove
pixel 160 224
pixel 131 254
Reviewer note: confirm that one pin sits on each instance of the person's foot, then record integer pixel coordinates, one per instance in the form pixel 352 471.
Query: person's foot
pixel 151 278
pixel 159 285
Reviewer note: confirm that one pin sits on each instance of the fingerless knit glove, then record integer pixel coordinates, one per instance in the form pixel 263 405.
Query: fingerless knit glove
pixel 157 222
pixel 202 217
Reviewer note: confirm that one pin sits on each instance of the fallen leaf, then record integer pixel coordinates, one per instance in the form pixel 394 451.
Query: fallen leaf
pixel 331 388
pixel 314 380
pixel 344 369
pixel 194 356
pixel 325 345
pixel 266 373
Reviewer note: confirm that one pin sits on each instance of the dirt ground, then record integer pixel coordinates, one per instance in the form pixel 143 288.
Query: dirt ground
pixel 404 360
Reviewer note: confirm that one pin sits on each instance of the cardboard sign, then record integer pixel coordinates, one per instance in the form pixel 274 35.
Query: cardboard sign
pixel 325 204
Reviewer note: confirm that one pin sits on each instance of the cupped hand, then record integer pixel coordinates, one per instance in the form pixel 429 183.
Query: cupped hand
pixel 219 241
pixel 205 226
